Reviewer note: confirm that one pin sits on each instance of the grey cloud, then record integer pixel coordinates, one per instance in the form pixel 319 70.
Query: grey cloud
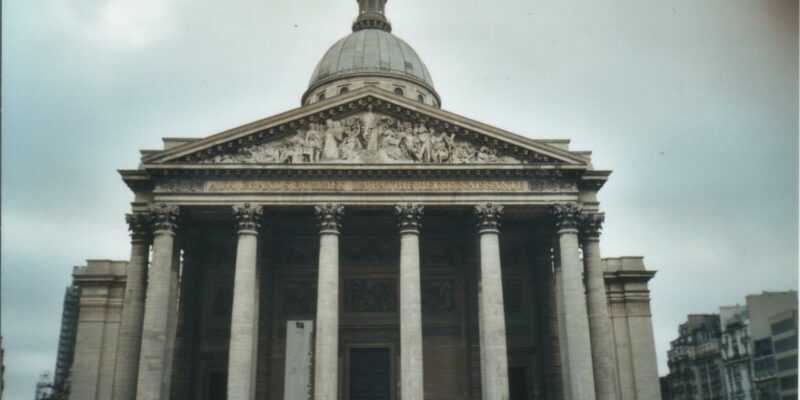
pixel 693 104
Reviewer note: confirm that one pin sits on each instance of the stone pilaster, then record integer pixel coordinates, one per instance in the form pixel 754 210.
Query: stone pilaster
pixel 411 366
pixel 155 329
pixel 576 322
pixel 102 285
pixel 244 317
pixel 130 336
pixel 601 335
pixel 494 357
pixel 326 361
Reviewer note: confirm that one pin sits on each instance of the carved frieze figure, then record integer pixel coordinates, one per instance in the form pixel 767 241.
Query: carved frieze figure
pixel 368 137
pixel 365 295
pixel 437 296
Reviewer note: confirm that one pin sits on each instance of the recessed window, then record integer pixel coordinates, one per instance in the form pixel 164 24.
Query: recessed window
pixel 421 98
pixel 398 91
pixel 343 90
pixel 321 97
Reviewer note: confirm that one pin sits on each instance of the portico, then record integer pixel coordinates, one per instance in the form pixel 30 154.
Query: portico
pixel 356 262
pixel 370 245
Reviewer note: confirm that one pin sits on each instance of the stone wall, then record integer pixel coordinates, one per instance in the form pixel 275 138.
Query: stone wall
pixel 632 326
pixel 102 284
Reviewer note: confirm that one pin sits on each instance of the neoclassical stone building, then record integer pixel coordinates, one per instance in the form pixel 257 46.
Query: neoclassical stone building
pixel 367 245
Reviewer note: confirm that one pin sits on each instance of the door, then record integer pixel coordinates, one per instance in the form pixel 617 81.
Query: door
pixel 370 373
pixel 518 383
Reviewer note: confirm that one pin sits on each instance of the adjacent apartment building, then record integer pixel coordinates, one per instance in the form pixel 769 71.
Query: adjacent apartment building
pixel 746 352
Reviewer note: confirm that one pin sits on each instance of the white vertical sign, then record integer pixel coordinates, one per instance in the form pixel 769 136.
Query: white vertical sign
pixel 297 374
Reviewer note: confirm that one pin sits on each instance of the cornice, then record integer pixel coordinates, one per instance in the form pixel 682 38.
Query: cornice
pixel 594 179
pixel 629 276
pixel 358 171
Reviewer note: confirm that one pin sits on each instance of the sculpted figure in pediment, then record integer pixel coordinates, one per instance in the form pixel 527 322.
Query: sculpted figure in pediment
pixel 366 138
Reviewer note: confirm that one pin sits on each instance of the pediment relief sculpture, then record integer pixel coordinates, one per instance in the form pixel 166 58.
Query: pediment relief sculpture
pixel 366 138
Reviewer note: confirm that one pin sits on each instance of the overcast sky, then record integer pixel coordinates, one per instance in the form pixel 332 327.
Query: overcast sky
pixel 692 103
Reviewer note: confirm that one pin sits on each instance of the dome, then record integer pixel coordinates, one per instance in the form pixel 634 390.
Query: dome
pixel 371 51
pixel 371 56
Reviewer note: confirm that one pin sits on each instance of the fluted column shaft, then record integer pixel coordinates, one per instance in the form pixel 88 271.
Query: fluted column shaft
pixel 130 330
pixel 326 361
pixel 578 347
pixel 602 341
pixel 411 366
pixel 244 314
pixel 492 325
pixel 155 327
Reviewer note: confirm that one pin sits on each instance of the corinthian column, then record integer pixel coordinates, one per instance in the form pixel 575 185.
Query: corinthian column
pixel 492 321
pixel 326 361
pixel 576 323
pixel 411 375
pixel 130 330
pixel 244 316
pixel 603 356
pixel 155 329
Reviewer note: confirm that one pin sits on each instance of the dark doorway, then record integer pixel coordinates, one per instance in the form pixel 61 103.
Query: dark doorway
pixel 217 385
pixel 370 374
pixel 518 383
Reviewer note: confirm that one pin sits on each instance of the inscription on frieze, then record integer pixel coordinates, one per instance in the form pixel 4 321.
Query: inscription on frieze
pixel 362 186
pixel 368 295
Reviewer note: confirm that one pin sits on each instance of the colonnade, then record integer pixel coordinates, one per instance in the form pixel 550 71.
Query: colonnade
pixel 149 315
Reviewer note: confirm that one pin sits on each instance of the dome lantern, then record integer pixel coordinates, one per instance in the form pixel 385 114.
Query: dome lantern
pixel 372 15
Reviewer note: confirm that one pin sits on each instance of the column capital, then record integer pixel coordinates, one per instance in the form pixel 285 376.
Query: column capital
pixel 140 227
pixel 488 216
pixel 409 217
pixel 248 217
pixel 329 217
pixel 591 225
pixel 568 215
pixel 164 218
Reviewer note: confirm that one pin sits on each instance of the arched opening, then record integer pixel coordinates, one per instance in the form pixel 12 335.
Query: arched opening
pixel 344 90
pixel 398 91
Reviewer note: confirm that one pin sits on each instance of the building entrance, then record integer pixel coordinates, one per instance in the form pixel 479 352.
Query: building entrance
pixel 370 374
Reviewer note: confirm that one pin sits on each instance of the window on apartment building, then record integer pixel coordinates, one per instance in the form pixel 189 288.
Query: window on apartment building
pixel 782 326
pixel 763 347
pixel 789 343
pixel 787 363
pixel 789 382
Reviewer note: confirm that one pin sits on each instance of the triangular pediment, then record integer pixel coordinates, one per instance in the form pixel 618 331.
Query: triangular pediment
pixel 368 127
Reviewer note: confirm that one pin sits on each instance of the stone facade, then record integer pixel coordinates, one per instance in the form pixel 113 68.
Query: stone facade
pixel 102 285
pixel 369 245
